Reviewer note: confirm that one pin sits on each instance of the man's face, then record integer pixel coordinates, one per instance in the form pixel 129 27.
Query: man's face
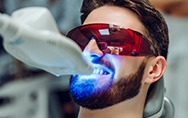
pixel 115 78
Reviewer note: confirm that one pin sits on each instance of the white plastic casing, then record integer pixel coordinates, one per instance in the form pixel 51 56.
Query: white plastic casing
pixel 31 35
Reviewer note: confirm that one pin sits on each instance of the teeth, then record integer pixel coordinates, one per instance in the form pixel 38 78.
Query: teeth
pixel 100 71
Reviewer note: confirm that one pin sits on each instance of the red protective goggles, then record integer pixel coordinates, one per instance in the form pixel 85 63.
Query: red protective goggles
pixel 113 39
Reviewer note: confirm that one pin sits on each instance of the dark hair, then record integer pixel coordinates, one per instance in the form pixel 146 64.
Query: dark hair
pixel 156 27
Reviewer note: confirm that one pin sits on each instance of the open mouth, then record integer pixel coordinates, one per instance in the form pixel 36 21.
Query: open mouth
pixel 100 71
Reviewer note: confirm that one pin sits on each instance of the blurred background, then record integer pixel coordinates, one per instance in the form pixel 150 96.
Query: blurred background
pixel 27 92
pixel 176 82
pixel 56 102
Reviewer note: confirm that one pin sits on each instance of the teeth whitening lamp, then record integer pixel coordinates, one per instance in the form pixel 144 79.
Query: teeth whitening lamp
pixel 31 35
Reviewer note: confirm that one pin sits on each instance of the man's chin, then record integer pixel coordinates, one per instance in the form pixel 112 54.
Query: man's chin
pixel 86 86
pixel 99 93
pixel 91 97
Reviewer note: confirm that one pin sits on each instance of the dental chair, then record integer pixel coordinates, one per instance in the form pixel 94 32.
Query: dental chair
pixel 157 104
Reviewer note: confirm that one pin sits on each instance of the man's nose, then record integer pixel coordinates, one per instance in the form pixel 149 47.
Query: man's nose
pixel 93 49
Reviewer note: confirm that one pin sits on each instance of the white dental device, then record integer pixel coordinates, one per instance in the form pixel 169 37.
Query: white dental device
pixel 31 35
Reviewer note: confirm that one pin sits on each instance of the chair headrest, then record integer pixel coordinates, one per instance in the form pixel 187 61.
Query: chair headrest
pixel 155 100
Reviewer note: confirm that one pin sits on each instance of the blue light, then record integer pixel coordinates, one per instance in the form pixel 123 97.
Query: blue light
pixel 84 86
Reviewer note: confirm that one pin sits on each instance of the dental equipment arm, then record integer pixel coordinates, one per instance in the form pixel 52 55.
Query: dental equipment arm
pixel 31 35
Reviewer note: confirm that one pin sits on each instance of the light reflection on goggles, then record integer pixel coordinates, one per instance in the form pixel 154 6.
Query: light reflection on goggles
pixel 113 39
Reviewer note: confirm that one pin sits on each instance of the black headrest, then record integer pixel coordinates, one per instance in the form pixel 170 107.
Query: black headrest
pixel 155 100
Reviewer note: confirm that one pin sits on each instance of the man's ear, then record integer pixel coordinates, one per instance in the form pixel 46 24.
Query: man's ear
pixel 155 68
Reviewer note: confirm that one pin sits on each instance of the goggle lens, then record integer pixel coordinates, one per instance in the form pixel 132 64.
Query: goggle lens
pixel 113 39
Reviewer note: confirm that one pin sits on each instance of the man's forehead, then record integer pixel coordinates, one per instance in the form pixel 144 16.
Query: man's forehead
pixel 115 15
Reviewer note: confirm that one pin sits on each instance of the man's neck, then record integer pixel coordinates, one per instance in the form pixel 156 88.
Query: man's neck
pixel 126 109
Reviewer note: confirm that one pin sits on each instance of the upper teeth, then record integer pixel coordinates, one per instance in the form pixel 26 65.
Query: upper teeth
pixel 100 71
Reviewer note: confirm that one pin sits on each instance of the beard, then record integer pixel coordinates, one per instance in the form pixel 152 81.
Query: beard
pixel 86 94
